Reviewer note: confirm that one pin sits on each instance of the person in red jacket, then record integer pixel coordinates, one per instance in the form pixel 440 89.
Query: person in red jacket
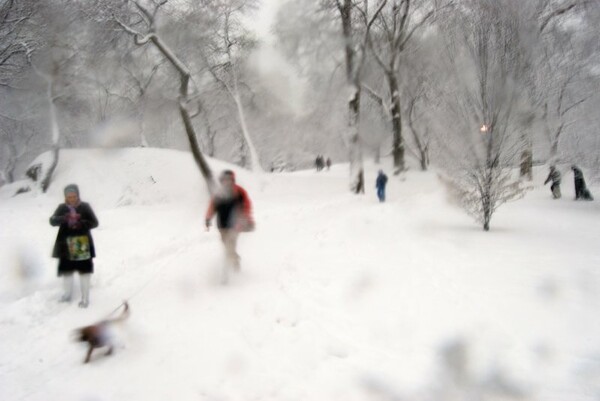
pixel 234 215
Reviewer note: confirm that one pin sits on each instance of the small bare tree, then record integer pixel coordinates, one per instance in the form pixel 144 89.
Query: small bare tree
pixel 484 51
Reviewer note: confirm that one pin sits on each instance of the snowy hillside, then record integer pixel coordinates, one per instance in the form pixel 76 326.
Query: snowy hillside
pixel 339 297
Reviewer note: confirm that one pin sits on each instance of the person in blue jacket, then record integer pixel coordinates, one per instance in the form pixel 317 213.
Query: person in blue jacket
pixel 380 185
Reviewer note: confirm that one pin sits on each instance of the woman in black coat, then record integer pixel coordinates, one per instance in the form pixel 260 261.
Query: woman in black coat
pixel 581 190
pixel 74 246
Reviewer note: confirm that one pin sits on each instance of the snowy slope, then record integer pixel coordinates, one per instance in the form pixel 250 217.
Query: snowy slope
pixel 340 297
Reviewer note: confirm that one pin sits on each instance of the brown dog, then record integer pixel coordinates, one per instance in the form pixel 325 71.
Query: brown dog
pixel 98 336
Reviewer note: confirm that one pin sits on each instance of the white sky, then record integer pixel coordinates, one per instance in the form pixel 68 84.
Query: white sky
pixel 279 76
pixel 265 17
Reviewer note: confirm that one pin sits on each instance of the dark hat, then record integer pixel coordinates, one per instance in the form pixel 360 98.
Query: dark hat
pixel 71 188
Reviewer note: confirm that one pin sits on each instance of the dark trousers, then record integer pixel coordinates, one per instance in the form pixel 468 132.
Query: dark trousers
pixel 579 187
pixel 381 194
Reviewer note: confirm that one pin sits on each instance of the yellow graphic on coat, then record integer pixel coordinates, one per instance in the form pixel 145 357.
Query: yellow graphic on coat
pixel 79 248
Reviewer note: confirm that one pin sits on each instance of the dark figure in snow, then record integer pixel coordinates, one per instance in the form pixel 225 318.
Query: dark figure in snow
pixel 554 176
pixel 74 246
pixel 319 163
pixel 234 215
pixel 328 163
pixel 380 184
pixel 581 191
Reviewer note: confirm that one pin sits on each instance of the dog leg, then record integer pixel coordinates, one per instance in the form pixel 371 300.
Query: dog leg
pixel 89 354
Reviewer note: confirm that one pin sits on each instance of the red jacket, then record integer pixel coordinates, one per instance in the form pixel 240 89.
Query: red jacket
pixel 232 212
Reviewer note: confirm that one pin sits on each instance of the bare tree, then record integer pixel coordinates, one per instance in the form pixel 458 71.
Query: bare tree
pixel 210 131
pixel 14 139
pixel 17 37
pixel 377 101
pixel 560 70
pixel 224 60
pixel 418 129
pixel 555 118
pixel 393 31
pixel 552 68
pixel 140 15
pixel 49 62
pixel 355 44
pixel 136 93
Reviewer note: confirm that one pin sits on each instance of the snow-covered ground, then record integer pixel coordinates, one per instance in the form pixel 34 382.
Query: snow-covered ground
pixel 339 298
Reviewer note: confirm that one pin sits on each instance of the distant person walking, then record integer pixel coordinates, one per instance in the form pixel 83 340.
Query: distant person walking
pixel 319 162
pixel 380 184
pixel 74 246
pixel 234 215
pixel 328 163
pixel 581 191
pixel 554 177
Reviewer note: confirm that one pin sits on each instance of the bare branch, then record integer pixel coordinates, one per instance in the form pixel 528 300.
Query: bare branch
pixel 140 39
pixel 429 15
pixel 556 13
pixel 574 105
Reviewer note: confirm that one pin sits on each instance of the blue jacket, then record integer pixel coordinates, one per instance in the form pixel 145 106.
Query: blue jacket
pixel 381 180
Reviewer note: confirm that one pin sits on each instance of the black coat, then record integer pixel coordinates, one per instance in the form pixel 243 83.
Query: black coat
pixel 87 221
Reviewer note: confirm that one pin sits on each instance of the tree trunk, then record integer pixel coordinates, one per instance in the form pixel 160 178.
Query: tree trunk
pixel 210 141
pixel 242 156
pixel 357 181
pixel 184 77
pixel 45 184
pixel 9 173
pixel 195 148
pixel 554 148
pixel 143 139
pixel 423 149
pixel 486 224
pixel 555 141
pixel 397 144
pixel 487 210
pixel 424 158
pixel 47 180
pixel 377 157
pixel 526 167
pixel 255 163
pixel 486 196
